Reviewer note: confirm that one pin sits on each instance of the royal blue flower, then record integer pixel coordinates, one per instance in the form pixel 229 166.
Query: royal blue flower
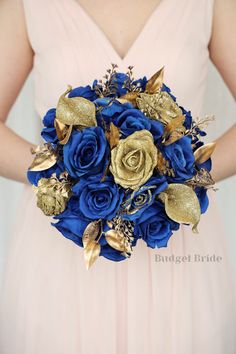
pixel 35 176
pixel 83 91
pixel 110 253
pixel 154 226
pixel 132 120
pixel 71 226
pixel 96 200
pixel 203 198
pixel 180 156
pixel 86 153
pixel 49 132
pixel 144 197
pixel 118 81
pixel 111 109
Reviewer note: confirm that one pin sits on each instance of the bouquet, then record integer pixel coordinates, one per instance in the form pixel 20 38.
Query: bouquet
pixel 121 161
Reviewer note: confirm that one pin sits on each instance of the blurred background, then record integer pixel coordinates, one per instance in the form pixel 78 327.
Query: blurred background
pixel 24 121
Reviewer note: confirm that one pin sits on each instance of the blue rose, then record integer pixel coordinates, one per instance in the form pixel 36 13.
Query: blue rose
pixel 86 153
pixel 49 132
pixel 203 198
pixel 95 200
pixel 132 120
pixel 83 91
pixel 118 81
pixel 181 159
pixel 144 197
pixel 35 176
pixel 141 83
pixel 70 226
pixel 165 88
pixel 111 254
pixel 154 226
pixel 110 109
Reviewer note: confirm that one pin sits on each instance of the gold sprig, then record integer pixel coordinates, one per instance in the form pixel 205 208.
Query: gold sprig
pixel 199 124
pixel 106 86
pixel 120 237
pixel 163 165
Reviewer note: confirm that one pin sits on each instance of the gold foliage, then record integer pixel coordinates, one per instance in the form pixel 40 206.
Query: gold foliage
pixel 203 153
pixel 113 136
pixel 174 130
pixel 155 83
pixel 90 242
pixel 45 157
pixel 91 253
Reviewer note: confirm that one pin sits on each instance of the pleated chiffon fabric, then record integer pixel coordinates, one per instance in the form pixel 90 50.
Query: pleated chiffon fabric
pixel 151 303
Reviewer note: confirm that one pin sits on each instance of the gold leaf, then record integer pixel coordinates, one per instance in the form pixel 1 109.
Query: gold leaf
pixel 130 97
pixel 63 131
pixel 174 130
pixel 60 129
pixel 76 111
pixel 181 204
pixel 163 165
pixel 117 241
pixel 203 153
pixel 44 159
pixel 113 136
pixel 91 232
pixel 155 83
pixel 67 136
pixel 91 253
pixel 122 100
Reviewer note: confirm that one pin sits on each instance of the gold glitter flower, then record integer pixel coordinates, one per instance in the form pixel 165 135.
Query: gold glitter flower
pixel 52 195
pixel 134 159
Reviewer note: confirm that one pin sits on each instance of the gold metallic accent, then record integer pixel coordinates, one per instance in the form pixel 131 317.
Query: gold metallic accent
pixel 181 204
pixel 45 157
pixel 76 111
pixel 203 153
pixel 91 253
pixel 159 106
pixel 130 97
pixel 155 83
pixel 174 130
pixel 202 178
pixel 113 136
pixel 52 195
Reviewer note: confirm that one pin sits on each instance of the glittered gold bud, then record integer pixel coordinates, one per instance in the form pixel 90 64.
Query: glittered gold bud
pixel 76 111
pixel 134 159
pixel 52 195
pixel 181 204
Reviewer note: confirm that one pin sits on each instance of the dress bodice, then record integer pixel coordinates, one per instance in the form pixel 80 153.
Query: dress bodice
pixel 71 49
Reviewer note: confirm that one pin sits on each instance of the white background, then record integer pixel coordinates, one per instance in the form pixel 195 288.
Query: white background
pixel 24 121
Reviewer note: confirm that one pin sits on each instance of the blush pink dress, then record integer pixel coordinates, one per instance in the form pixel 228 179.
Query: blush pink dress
pixel 50 304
